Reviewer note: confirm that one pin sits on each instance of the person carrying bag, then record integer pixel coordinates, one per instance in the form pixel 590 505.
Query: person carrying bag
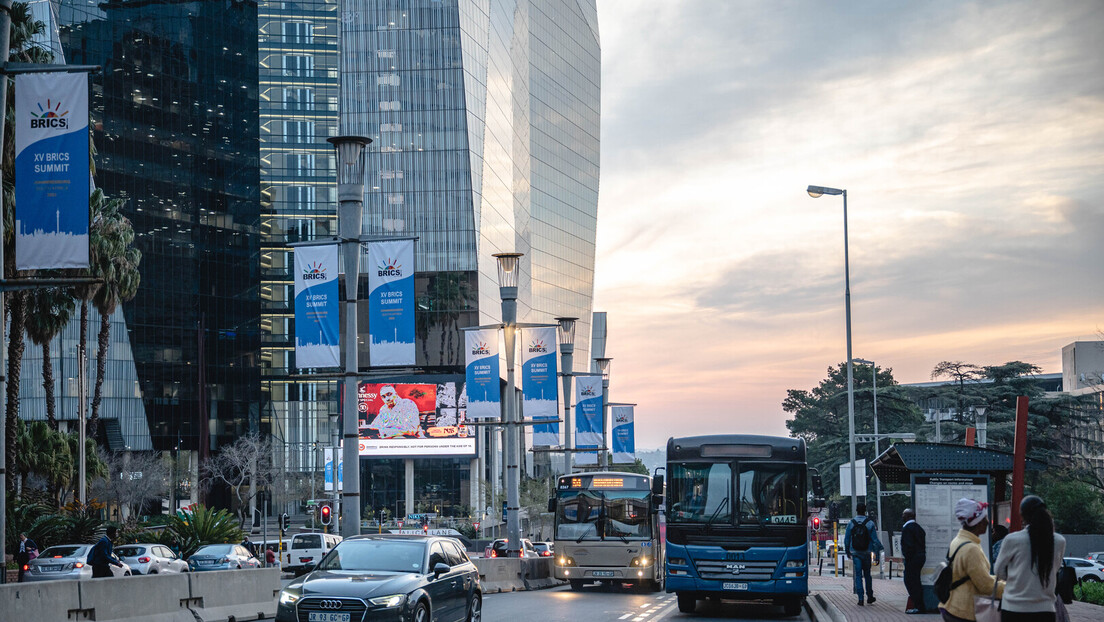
pixel 1031 559
pixel 970 568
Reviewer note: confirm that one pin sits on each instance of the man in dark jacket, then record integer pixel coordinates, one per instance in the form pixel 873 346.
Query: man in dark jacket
pixel 102 555
pixel 28 550
pixel 914 550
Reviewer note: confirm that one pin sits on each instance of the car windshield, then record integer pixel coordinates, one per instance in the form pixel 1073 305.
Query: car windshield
pixel 130 551
pixel 63 551
pixel 376 555
pixel 216 549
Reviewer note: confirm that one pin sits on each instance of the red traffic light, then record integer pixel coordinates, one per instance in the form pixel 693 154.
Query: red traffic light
pixel 816 523
pixel 425 528
pixel 326 513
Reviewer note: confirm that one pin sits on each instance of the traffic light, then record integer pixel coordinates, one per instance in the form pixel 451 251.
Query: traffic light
pixel 425 529
pixel 285 521
pixel 833 511
pixel 325 514
pixel 816 523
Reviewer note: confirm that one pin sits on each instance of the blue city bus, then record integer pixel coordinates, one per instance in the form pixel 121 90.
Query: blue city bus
pixel 736 520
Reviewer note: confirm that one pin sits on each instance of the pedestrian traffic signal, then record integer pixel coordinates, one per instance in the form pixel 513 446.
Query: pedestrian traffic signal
pixel 816 523
pixel 325 514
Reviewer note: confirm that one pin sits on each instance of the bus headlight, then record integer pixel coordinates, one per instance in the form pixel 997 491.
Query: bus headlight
pixel 564 560
pixel 795 563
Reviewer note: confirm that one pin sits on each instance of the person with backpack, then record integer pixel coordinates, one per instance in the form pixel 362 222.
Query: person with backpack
pixel 969 564
pixel 102 555
pixel 1030 559
pixel 860 541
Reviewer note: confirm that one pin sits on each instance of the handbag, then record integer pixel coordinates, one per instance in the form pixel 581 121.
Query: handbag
pixel 987 608
pixel 1060 612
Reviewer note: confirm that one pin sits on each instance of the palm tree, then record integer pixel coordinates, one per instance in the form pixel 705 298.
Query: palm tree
pixel 48 312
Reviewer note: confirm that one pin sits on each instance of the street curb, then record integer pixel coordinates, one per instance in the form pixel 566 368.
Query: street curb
pixel 820 610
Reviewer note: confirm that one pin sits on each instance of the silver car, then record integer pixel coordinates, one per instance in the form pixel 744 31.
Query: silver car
pixel 150 558
pixel 66 561
pixel 222 557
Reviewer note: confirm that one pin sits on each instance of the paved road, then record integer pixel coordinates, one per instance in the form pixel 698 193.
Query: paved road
pixel 615 604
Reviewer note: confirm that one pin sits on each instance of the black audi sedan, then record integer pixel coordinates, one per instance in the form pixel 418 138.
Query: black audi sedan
pixel 392 578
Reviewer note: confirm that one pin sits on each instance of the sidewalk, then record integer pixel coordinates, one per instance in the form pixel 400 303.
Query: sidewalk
pixel 840 604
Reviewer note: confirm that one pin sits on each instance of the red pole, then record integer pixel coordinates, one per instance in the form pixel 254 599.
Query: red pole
pixel 1018 462
pixel 970 432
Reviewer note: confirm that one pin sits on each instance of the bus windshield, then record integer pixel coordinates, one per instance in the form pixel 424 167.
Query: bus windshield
pixel 601 514
pixel 766 493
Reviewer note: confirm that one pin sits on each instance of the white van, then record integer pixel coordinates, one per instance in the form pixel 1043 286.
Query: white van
pixel 308 548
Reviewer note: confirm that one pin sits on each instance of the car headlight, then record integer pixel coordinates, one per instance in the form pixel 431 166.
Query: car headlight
pixel 287 598
pixel 393 600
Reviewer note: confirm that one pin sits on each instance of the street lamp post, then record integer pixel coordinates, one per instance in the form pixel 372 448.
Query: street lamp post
pixel 982 425
pixel 508 288
pixel 604 368
pixel 350 152
pixel 816 192
pixel 567 356
pixel 877 448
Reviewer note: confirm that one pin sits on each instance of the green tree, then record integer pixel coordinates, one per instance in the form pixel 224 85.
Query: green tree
pixel 48 312
pixel 203 525
pixel 820 417
pixel 1077 506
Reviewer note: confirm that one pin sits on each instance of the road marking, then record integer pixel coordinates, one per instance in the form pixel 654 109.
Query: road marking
pixel 627 615
pixel 665 612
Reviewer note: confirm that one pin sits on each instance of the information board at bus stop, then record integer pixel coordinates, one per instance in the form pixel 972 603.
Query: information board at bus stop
pixel 934 498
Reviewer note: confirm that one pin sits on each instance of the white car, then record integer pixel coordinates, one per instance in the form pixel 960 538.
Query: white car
pixel 150 558
pixel 1085 570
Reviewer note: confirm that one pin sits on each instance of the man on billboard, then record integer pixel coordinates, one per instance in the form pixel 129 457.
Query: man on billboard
pixel 397 417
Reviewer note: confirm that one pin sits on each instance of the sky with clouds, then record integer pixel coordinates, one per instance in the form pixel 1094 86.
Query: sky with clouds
pixel 970 139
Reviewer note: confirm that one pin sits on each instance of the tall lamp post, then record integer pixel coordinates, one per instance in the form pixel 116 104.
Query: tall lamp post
pixel 604 368
pixel 567 362
pixel 508 289
pixel 350 152
pixel 982 425
pixel 877 448
pixel 817 192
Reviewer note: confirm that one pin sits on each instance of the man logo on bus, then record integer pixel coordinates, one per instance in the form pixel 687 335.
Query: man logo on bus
pixel 49 117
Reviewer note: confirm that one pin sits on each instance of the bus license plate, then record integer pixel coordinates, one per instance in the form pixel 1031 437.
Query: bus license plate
pixel 735 586
pixel 602 573
pixel 321 616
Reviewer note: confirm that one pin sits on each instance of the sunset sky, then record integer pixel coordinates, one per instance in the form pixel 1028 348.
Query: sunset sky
pixel 970 138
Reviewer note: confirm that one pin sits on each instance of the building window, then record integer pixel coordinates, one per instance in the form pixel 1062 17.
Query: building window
pixel 300 197
pixel 298 33
pixel 299 66
pixel 300 164
pixel 301 132
pixel 298 99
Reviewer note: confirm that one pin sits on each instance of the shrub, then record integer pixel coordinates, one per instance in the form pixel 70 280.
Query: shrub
pixel 202 525
pixel 1089 592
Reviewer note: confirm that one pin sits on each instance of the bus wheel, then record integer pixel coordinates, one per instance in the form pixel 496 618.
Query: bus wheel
pixel 654 585
pixel 687 603
pixel 576 584
pixel 792 607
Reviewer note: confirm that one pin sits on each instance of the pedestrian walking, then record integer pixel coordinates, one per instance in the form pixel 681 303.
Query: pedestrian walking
pixel 914 549
pixel 28 550
pixel 971 563
pixel 102 555
pixel 861 541
pixel 1030 559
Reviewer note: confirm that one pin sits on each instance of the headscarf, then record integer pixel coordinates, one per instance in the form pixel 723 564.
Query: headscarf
pixel 970 512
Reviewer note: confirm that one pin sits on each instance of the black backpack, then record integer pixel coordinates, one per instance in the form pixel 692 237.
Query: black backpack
pixel 944 577
pixel 860 535
pixel 1066 579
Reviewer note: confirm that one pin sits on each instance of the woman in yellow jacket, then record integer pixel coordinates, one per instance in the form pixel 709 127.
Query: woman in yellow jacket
pixel 971 561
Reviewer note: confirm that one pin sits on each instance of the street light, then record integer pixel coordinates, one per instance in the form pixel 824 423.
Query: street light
pixel 604 368
pixel 981 423
pixel 877 447
pixel 350 152
pixel 816 192
pixel 508 290
pixel 566 334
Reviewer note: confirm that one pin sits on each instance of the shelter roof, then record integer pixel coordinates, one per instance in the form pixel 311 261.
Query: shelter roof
pixel 900 460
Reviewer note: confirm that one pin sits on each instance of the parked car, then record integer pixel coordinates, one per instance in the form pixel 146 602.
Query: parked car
pixel 307 548
pixel 498 548
pixel 1096 557
pixel 544 549
pixel 1085 569
pixel 150 558
pixel 403 577
pixel 66 561
pixel 222 557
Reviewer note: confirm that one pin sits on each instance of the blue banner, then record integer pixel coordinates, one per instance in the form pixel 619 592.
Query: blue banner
pixel 391 303
pixel 317 315
pixel 481 382
pixel 539 393
pixel 52 180
pixel 588 418
pixel 623 433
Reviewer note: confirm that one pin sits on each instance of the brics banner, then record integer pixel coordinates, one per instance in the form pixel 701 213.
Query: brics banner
pixel 391 303
pixel 481 381
pixel 317 321
pixel 623 433
pixel 538 383
pixel 588 418
pixel 51 171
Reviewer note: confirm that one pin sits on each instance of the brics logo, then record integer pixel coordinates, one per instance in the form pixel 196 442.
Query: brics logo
pixel 49 117
pixel 587 392
pixel 537 346
pixel 390 267
pixel 314 272
pixel 481 349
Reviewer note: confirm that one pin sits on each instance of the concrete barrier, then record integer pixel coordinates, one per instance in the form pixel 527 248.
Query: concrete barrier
pixel 161 597
pixel 47 600
pixel 511 574
pixel 538 575
pixel 221 595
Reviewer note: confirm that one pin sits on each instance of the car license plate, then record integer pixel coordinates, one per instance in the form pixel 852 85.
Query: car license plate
pixel 602 573
pixel 51 568
pixel 735 586
pixel 325 616
pixel 206 562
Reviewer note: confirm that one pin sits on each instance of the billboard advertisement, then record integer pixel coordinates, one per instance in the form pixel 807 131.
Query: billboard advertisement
pixel 588 418
pixel 398 419
pixel 538 383
pixel 623 433
pixel 317 316
pixel 481 351
pixel 391 303
pixel 52 181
